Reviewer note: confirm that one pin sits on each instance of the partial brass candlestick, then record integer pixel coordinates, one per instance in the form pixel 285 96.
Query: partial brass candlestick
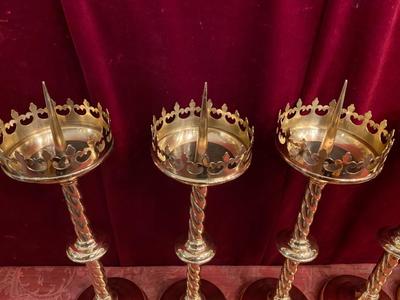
pixel 329 144
pixel 58 144
pixel 349 287
pixel 199 146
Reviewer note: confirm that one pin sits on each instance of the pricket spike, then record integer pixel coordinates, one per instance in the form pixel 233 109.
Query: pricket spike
pixel 202 140
pixel 58 137
pixel 330 135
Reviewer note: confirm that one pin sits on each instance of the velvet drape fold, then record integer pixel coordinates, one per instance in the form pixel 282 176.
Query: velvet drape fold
pixel 136 57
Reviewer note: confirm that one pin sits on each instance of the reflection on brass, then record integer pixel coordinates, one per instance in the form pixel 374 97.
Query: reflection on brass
pixel 360 146
pixel 29 153
pixel 202 139
pixel 58 137
pixel 390 241
pixel 379 275
pixel 329 144
pixel 286 279
pixel 297 248
pixel 196 250
pixel 229 140
pixel 200 146
pixel 329 138
pixel 57 144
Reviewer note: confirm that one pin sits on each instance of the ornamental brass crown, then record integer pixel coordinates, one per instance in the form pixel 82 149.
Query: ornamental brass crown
pixel 359 145
pixel 176 140
pixel 30 143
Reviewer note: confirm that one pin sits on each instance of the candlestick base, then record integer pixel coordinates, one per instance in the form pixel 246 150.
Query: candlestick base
pixel 346 287
pixel 121 289
pixel 264 289
pixel 177 291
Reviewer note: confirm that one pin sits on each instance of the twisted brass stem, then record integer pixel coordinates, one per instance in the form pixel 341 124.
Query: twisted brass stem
pixel 193 282
pixel 98 279
pixel 195 239
pixel 85 241
pixel 76 210
pixel 379 276
pixel 301 230
pixel 308 208
pixel 286 278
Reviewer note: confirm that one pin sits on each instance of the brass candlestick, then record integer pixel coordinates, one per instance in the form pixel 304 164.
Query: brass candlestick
pixel 199 146
pixel 348 287
pixel 329 144
pixel 58 144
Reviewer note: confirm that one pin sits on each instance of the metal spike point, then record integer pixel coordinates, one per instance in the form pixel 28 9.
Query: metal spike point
pixel 330 135
pixel 202 139
pixel 58 137
pixel 205 96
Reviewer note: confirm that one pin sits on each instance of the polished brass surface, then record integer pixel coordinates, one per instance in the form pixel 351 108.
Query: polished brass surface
pixel 329 144
pixel 57 144
pixel 200 146
pixel 379 275
pixel 286 279
pixel 196 250
pixel 347 287
pixel 58 137
pixel 85 249
pixel 297 245
pixel 99 280
pixel 174 143
pixel 390 241
pixel 202 139
pixel 329 138
pixel 29 151
pixel 298 248
pixel 359 149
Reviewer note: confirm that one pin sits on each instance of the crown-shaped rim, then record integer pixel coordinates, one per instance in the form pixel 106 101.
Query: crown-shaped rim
pixel 220 119
pixel 298 153
pixel 92 123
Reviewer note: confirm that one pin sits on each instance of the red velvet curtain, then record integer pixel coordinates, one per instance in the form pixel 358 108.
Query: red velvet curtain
pixel 137 56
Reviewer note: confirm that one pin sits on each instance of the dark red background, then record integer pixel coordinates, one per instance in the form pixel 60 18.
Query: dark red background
pixel 137 56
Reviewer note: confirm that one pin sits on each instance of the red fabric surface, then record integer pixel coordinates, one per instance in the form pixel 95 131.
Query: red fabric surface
pixel 137 56
pixel 66 283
